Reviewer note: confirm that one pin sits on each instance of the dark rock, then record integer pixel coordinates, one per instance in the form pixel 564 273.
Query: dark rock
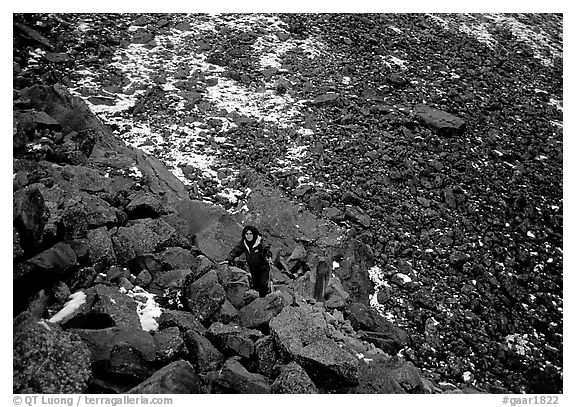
pixel 49 360
pixel 30 215
pixel 328 364
pixel 144 205
pixel 202 353
pixel 178 377
pixel 177 258
pixel 60 292
pixel 226 314
pixel 205 296
pixel 58 57
pixel 232 339
pixel 185 321
pixel 38 304
pixel 357 215
pixel 235 282
pixel 143 279
pixel 446 124
pixel 390 338
pixel 261 310
pixel 335 295
pixel 145 236
pixel 172 281
pixel 100 247
pixel 142 37
pixel 266 355
pixel 215 231
pixel 235 378
pixel 250 296
pixel 83 278
pixel 170 345
pixel 376 377
pixel 55 261
pixel 124 352
pixel 294 328
pixel 100 307
pixel 293 379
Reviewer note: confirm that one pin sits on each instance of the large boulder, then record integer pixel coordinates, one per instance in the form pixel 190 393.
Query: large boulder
pixel 120 352
pixel 444 123
pixel 214 230
pixel 266 355
pixel 328 364
pixel 293 379
pixel 171 282
pixel 173 258
pixel 296 327
pixel 53 262
pixel 99 307
pixel 145 236
pixel 380 374
pixel 144 205
pixel 48 360
pixel 205 296
pixel 382 332
pixel 233 377
pixel 235 282
pixel 178 377
pixel 260 311
pixel 202 353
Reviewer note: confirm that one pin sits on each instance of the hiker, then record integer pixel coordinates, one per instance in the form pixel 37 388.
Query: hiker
pixel 257 256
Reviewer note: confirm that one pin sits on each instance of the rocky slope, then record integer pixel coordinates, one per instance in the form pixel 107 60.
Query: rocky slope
pixel 434 140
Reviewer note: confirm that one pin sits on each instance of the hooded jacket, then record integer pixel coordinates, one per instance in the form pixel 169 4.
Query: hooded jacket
pixel 256 253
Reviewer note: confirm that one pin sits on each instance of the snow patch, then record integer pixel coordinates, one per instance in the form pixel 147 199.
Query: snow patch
pixel 76 301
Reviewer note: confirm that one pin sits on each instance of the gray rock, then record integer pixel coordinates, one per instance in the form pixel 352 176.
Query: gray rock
pixel 293 379
pixel 143 279
pixel 103 306
pixel 389 338
pixel 216 232
pixel 261 310
pixel 205 296
pixel 173 258
pixel 235 282
pixel 234 377
pixel 446 124
pixel 203 353
pixel 296 327
pixel 178 377
pixel 172 280
pixel 358 215
pixel 266 355
pixel 226 314
pixel 232 339
pixel 55 261
pixel 49 360
pixel 144 205
pixel 170 345
pixel 183 320
pixel 100 247
pixel 30 215
pixel 328 364
pixel 125 352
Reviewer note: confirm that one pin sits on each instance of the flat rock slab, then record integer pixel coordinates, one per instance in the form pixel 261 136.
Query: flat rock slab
pixel 446 124
pixel 233 376
pixel 261 310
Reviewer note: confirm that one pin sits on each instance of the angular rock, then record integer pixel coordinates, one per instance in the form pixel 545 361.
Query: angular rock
pixel 185 321
pixel 99 307
pixel 144 205
pixel 235 282
pixel 30 215
pixel 145 236
pixel 358 215
pixel 49 360
pixel 266 355
pixel 202 353
pixel 232 339
pixel 170 345
pixel 375 377
pixel 100 247
pixel 335 295
pixel 143 279
pixel 389 338
pixel 328 364
pixel 446 124
pixel 235 378
pixel 226 314
pixel 177 258
pixel 293 379
pixel 55 261
pixel 261 310
pixel 205 296
pixel 178 377
pixel 125 352
pixel 215 231
pixel 296 327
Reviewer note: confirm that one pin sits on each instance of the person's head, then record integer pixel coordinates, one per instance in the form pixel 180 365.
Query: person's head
pixel 250 234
